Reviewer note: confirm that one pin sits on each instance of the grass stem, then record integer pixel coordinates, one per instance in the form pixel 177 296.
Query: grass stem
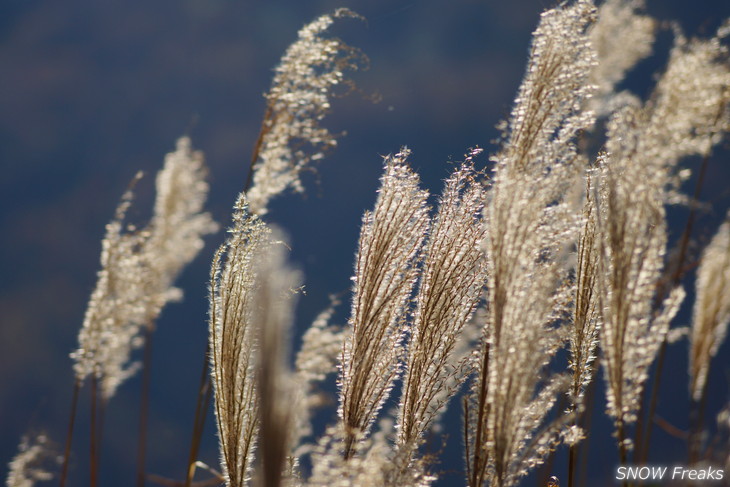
pixel 201 408
pixel 144 407
pixel 69 432
pixel 93 436
pixel 647 421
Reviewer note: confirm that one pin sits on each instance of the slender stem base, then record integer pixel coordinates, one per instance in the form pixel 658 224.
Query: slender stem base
pixel 144 407
pixel 70 432
pixel 201 409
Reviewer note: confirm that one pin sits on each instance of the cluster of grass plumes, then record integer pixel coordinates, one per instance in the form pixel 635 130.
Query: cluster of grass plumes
pixel 138 268
pixel 551 250
pixel 506 241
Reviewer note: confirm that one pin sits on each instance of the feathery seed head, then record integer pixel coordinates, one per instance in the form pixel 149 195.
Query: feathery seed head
pixel 712 308
pixel 33 462
pixel 291 136
pixel 138 268
pixel 389 251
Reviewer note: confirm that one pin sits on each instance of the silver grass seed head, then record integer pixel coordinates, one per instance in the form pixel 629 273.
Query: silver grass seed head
pixel 621 36
pixel 33 463
pixel 451 283
pixel 233 342
pixel 389 252
pixel 279 399
pixel 711 314
pixel 138 268
pixel 530 221
pixel 292 139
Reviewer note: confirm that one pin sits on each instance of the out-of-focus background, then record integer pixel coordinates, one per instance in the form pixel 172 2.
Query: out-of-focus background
pixel 92 92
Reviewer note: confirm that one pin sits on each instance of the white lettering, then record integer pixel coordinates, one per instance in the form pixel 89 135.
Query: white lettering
pixel 709 473
pixel 650 473
pixel 640 473
pixel 631 473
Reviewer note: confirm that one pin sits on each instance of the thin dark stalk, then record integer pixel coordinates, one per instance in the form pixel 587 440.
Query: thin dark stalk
pixel 642 442
pixel 642 447
pixel 587 419
pixel 70 432
pixel 265 127
pixel 201 408
pixel 582 405
pixel 93 446
pixel 572 453
pixel 573 449
pixel 547 467
pixel 712 444
pixel 623 454
pixel 349 450
pixel 697 413
pixel 144 406
pixel 670 429
pixel 478 470
pixel 101 414
pixel 467 453
pixel 206 406
pixel 640 415
pixel 205 390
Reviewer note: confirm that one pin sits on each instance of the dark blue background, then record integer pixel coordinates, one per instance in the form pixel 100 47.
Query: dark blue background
pixel 91 92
